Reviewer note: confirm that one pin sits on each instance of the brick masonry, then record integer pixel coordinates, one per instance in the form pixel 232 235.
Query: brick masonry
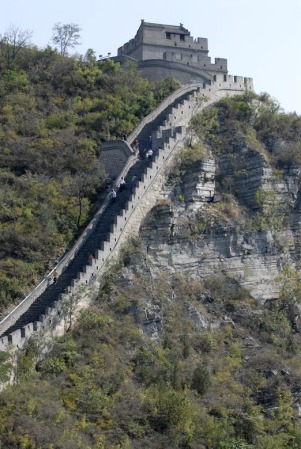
pixel 170 136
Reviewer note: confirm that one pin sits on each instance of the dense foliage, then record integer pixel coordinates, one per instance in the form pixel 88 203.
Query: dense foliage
pixel 233 131
pixel 253 120
pixel 212 368
pixel 54 113
pixel 107 385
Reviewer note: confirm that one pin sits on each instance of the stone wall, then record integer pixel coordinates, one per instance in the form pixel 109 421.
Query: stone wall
pixel 155 45
pixel 114 155
pixel 146 194
pixel 94 270
pixel 155 70
pixel 168 50
pixel 121 146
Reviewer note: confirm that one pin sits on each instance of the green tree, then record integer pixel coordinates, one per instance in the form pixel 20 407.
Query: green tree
pixel 66 36
pixel 201 379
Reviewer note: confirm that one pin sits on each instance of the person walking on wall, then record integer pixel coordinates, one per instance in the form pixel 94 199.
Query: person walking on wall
pixel 149 154
pixel 134 180
pixel 113 195
pixel 55 276
pixel 122 185
pixel 136 147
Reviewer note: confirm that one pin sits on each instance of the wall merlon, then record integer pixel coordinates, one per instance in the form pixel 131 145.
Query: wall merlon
pixel 99 255
pixel 106 247
pixel 15 337
pixel 202 43
pixel 83 278
pixel 61 296
pixel 88 269
pixel 3 343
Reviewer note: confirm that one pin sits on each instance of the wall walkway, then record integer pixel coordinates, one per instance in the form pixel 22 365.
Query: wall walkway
pixel 43 308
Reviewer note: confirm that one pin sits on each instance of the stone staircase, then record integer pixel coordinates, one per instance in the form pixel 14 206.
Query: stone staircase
pixel 160 123
pixel 42 309
pixel 99 242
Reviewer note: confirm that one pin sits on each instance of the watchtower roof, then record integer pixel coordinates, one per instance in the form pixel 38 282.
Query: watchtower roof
pixel 177 29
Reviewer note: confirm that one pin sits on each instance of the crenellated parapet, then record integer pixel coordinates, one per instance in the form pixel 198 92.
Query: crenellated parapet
pixel 169 50
pixel 164 36
pixel 232 82
pixel 166 139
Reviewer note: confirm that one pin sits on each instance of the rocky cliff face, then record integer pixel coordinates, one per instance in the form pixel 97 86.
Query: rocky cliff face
pixel 237 216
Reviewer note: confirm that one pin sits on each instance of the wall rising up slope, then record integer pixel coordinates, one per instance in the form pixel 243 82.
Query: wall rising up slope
pixel 170 135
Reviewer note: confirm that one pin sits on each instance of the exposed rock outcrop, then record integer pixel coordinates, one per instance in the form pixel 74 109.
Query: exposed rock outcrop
pixel 240 237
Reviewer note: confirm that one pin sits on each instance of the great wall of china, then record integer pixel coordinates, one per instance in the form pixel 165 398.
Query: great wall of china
pixel 42 311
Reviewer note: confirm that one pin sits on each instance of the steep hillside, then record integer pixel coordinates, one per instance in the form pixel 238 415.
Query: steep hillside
pixel 193 341
pixel 159 362
pixel 233 198
pixel 54 114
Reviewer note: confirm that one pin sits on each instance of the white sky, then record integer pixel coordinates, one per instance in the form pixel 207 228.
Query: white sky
pixel 260 38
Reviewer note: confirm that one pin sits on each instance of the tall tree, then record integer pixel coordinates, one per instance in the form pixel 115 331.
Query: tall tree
pixel 66 36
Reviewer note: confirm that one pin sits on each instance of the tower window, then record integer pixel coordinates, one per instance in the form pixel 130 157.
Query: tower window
pixel 168 35
pixel 182 37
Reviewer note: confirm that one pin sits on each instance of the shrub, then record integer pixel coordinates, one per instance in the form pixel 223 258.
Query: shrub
pixel 201 379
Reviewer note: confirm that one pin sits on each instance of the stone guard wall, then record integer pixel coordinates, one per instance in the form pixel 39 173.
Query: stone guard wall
pixel 145 195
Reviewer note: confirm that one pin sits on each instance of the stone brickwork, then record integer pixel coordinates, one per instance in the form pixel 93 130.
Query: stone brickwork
pixel 169 50
pixel 114 156
pixel 170 42
pixel 169 137
pixel 92 272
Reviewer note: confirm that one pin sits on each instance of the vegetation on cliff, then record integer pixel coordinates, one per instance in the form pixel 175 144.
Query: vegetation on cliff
pixel 106 384
pixel 157 362
pixel 54 113
pixel 234 132
pixel 252 120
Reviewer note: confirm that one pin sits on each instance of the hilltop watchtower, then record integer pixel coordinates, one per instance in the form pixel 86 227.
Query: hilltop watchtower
pixel 170 50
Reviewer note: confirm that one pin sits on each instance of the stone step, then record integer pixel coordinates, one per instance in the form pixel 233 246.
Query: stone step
pixel 100 242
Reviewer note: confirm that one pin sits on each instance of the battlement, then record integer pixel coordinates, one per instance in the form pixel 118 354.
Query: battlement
pixel 170 43
pixel 164 36
pixel 169 50
pixel 195 60
pixel 232 82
